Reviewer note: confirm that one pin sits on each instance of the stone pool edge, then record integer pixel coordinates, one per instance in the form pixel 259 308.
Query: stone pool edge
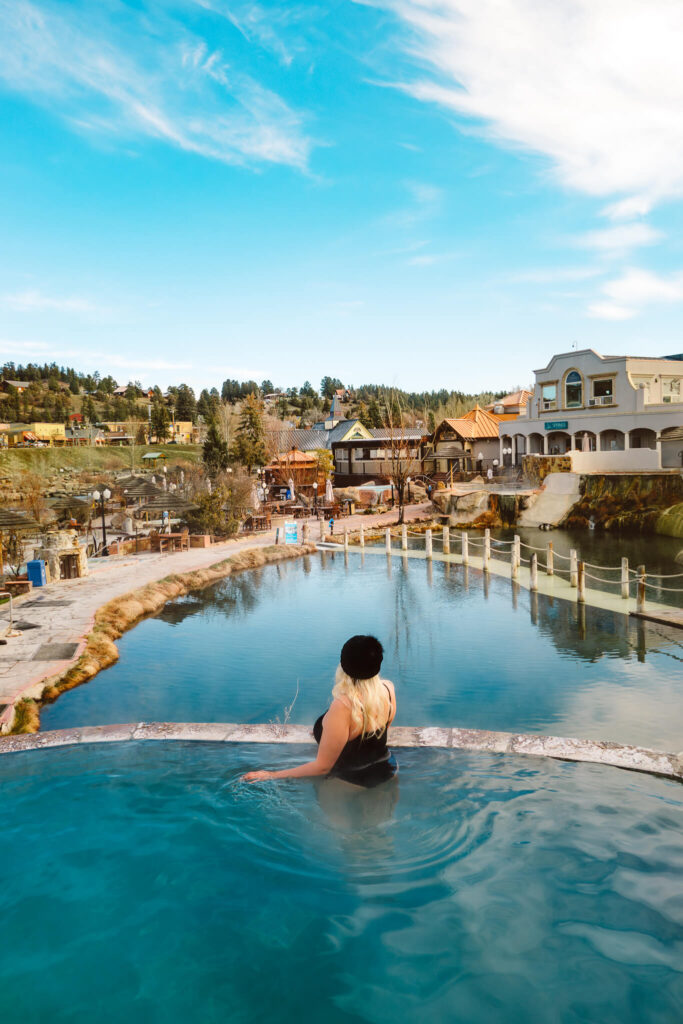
pixel 112 619
pixel 616 755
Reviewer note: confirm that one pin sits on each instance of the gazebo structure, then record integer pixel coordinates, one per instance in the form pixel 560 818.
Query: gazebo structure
pixel 167 502
pixel 14 522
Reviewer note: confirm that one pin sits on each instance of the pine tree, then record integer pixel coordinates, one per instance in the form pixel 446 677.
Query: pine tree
pixel 249 448
pixel 160 421
pixel 215 451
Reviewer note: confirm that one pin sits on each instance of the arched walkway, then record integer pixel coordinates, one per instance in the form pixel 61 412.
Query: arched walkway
pixel 535 444
pixel 612 441
pixel 641 437
pixel 559 442
pixel 585 440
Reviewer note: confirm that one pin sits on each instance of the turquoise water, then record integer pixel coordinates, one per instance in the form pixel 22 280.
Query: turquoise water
pixel 144 883
pixel 461 650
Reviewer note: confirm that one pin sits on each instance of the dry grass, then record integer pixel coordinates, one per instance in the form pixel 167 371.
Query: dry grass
pixel 26 716
pixel 119 615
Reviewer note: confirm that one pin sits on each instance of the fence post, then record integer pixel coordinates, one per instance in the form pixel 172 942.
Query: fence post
pixel 404 538
pixel 346 539
pixel 533 572
pixel 428 543
pixel 640 601
pixel 487 549
pixel 573 569
pixel 387 540
pixel 465 550
pixel 549 569
pixel 304 533
pixel 581 581
pixel 322 528
pixel 624 578
pixel 446 541
pixel 516 557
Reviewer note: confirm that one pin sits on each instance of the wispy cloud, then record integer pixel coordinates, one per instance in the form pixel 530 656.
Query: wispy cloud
pixel 35 302
pixel 269 26
pixel 430 259
pixel 620 238
pixel 556 275
pixel 142 74
pixel 626 295
pixel 595 87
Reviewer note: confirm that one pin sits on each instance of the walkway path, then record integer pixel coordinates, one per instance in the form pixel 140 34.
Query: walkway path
pixel 54 621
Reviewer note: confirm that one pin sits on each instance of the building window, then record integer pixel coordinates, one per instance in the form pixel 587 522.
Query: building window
pixel 603 388
pixel 549 396
pixel 573 389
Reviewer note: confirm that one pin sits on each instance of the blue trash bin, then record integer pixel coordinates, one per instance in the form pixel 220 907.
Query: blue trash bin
pixel 35 570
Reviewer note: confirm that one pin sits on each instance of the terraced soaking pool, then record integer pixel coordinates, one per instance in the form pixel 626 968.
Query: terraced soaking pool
pixel 474 888
pixel 145 883
pixel 461 651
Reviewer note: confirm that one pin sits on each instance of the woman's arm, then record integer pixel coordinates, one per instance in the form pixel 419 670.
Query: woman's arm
pixel 336 728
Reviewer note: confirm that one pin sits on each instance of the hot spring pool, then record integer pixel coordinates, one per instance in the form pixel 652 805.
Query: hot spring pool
pixel 461 651
pixel 143 882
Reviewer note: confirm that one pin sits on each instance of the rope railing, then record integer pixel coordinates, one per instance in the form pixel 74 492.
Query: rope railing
pixel 576 573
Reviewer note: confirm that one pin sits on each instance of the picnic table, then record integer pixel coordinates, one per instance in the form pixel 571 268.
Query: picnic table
pixel 254 523
pixel 174 542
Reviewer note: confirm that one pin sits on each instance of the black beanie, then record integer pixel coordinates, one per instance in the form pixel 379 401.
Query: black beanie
pixel 361 657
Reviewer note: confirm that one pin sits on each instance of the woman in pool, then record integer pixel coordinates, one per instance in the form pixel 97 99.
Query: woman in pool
pixel 352 734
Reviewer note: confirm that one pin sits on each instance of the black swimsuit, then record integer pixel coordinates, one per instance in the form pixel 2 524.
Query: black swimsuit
pixel 365 760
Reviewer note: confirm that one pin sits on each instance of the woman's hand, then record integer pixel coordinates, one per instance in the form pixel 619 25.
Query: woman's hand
pixel 258 776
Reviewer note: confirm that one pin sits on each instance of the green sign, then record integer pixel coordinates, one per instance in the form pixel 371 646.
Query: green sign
pixel 557 425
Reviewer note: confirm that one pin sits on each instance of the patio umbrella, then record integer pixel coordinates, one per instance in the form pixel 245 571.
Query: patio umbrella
pixel 329 493
pixel 255 503
pixel 585 443
pixel 290 485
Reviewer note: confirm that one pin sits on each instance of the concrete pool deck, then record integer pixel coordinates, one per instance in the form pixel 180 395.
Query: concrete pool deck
pixel 616 755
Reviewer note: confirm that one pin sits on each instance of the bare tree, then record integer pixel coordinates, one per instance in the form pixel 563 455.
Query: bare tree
pixel 32 495
pixel 402 451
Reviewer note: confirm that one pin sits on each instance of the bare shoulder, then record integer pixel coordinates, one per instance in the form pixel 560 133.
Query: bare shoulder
pixel 392 690
pixel 340 708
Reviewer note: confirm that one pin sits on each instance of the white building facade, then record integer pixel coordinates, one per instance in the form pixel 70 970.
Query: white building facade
pixel 587 403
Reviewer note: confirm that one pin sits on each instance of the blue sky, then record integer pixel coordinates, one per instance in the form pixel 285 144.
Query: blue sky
pixel 427 193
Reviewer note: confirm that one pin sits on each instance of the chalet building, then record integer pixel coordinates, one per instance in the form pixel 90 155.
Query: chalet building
pixel 13 385
pixel 360 460
pixel 318 437
pixel 470 443
pixel 608 405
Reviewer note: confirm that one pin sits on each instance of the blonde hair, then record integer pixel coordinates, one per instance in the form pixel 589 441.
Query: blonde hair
pixel 368 699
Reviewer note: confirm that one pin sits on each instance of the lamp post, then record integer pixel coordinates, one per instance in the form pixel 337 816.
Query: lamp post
pixel 408 483
pixel 105 495
pixel 315 495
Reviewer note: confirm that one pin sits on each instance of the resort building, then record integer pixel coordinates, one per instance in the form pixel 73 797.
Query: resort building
pixel 319 436
pixel 510 406
pixel 358 460
pixel 467 444
pixel 20 434
pixel 615 412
